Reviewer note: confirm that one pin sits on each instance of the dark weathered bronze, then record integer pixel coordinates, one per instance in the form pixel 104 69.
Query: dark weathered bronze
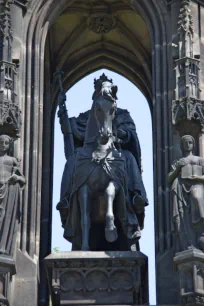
pixel 102 185
pixel 187 179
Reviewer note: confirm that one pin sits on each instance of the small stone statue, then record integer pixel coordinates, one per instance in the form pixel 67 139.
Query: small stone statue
pixel 11 180
pixel 187 179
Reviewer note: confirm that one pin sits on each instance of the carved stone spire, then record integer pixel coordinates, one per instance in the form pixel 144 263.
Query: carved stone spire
pixel 185 30
pixel 5 29
pixel 10 118
pixel 187 109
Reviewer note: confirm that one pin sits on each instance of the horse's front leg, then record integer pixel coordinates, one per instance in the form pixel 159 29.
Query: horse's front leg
pixel 84 201
pixel 110 230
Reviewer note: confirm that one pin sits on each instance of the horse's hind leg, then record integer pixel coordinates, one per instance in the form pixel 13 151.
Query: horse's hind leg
pixel 84 201
pixel 110 230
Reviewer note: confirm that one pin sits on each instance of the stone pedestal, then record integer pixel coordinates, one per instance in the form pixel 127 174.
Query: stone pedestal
pixel 190 266
pixel 7 269
pixel 98 278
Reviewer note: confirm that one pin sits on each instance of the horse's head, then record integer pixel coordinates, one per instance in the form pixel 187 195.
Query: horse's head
pixel 104 107
pixel 103 111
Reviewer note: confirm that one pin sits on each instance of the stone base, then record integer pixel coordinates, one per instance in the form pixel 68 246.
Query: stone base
pixel 25 283
pixel 190 265
pixel 98 278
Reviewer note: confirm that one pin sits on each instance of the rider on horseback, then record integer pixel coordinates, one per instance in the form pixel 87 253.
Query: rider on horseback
pixel 126 140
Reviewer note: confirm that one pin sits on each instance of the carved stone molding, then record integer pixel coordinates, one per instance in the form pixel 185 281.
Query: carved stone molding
pixel 190 267
pixel 192 300
pixel 188 113
pixel 4 302
pixel 101 23
pixel 22 3
pixel 110 276
pixel 7 269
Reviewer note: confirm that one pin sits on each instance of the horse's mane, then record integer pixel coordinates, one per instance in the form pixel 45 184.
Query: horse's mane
pixel 92 127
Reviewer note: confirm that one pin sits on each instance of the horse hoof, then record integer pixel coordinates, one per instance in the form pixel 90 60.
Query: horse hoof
pixel 111 235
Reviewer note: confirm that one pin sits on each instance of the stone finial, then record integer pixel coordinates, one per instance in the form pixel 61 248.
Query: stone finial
pixel 6 33
pixel 185 30
pixel 185 21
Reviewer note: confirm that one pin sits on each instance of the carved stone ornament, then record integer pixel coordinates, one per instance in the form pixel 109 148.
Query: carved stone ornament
pixel 7 3
pixel 188 115
pixel 10 115
pixel 185 30
pixel 5 19
pixel 10 119
pixel 185 21
pixel 189 265
pixel 193 299
pixel 5 303
pixel 101 23
pixel 104 283
pixel 22 3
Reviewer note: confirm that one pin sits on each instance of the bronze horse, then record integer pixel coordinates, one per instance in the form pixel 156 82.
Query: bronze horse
pixel 102 185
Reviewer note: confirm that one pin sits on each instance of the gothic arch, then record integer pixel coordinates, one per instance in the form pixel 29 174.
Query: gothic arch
pixel 38 108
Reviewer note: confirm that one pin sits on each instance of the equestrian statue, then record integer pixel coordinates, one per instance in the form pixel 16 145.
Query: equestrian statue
pixel 103 198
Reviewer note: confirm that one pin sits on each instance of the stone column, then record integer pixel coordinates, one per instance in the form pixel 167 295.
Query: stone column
pixel 10 126
pixel 188 119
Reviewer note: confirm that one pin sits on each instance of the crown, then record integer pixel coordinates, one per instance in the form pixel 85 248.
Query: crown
pixel 103 78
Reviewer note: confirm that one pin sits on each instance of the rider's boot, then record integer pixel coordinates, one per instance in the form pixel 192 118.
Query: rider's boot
pixel 138 203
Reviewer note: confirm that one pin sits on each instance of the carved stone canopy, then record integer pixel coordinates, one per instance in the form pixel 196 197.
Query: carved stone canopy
pixel 188 116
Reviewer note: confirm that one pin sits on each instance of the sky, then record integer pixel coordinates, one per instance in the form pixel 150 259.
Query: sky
pixel 79 99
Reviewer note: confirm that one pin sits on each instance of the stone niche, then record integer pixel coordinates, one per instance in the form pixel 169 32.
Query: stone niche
pixel 98 278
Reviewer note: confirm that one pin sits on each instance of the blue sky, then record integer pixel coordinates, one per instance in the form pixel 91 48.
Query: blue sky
pixel 130 98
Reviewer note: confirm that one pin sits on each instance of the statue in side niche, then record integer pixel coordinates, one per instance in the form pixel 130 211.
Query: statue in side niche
pixel 187 179
pixel 102 193
pixel 11 181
